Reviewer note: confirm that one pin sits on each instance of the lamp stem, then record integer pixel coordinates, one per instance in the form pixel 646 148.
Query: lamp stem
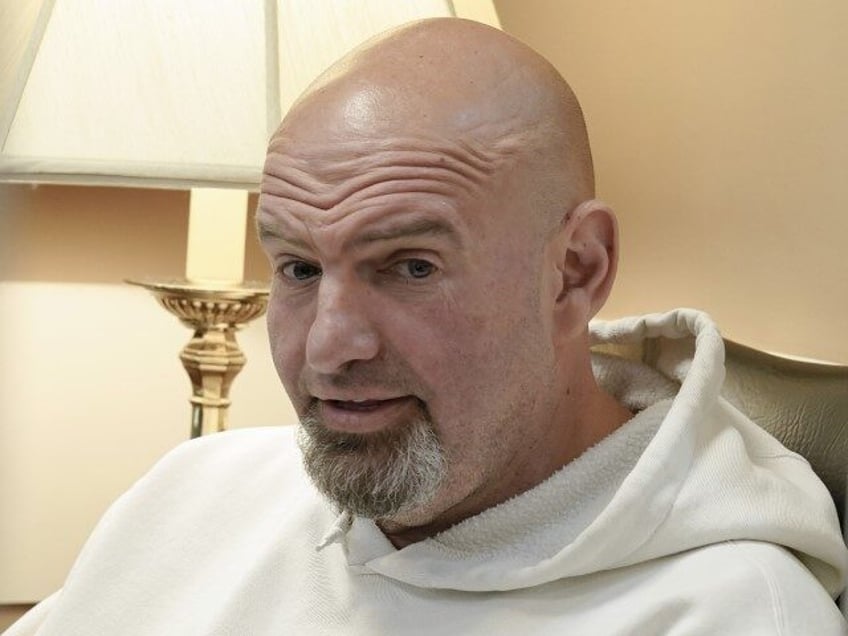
pixel 212 358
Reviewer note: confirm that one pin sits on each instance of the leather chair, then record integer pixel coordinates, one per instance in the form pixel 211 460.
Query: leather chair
pixel 803 404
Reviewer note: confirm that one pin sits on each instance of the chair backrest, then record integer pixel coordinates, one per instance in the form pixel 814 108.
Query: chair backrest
pixel 803 404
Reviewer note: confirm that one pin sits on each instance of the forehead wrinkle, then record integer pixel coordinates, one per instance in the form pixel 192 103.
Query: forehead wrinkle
pixel 389 194
pixel 435 181
pixel 297 181
pixel 380 211
pixel 294 184
pixel 389 179
pixel 461 146
pixel 310 172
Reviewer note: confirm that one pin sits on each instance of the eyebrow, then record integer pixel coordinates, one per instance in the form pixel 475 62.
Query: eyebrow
pixel 412 228
pixel 267 232
pixel 398 230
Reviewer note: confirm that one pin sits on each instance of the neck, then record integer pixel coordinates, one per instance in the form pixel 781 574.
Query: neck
pixel 561 442
pixel 401 535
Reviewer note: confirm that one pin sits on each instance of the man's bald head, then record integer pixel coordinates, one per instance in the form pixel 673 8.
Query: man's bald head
pixel 428 210
pixel 457 80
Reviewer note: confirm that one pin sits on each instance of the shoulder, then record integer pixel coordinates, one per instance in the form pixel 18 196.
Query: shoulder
pixel 755 587
pixel 189 534
pixel 235 445
pixel 798 599
pixel 228 484
pixel 222 479
pixel 218 457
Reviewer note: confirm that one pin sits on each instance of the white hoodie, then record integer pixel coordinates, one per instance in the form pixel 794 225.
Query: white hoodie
pixel 687 520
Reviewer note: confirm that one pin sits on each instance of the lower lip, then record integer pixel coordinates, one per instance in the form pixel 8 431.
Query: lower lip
pixel 367 419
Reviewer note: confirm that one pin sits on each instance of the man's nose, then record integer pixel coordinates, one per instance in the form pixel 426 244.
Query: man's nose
pixel 341 331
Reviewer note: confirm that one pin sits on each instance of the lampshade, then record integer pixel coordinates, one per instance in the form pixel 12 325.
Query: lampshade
pixel 158 93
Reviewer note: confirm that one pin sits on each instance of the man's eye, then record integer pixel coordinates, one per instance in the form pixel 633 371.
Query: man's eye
pixel 416 268
pixel 300 270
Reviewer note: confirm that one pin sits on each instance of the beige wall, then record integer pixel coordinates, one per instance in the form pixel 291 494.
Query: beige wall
pixel 66 234
pixel 720 133
pixel 91 390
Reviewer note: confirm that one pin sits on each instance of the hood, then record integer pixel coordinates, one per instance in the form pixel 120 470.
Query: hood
pixel 688 470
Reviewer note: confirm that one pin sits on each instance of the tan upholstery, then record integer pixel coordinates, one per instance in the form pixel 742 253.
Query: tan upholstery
pixel 803 404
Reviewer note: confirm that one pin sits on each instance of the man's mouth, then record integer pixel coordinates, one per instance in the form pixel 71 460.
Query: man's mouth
pixel 364 405
pixel 365 415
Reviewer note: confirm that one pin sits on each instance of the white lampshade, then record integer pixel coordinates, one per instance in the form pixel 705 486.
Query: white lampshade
pixel 167 93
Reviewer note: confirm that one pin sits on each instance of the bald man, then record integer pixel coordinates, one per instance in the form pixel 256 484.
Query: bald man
pixel 468 466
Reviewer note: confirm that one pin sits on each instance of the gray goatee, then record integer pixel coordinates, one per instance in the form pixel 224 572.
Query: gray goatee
pixel 375 475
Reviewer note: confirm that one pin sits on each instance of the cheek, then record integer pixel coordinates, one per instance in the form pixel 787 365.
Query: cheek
pixel 470 351
pixel 287 336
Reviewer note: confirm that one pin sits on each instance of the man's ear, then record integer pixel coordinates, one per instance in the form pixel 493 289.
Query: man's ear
pixel 587 261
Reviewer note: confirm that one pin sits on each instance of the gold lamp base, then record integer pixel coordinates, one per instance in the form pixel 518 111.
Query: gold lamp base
pixel 212 358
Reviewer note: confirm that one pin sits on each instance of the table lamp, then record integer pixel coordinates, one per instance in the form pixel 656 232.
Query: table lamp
pixel 164 94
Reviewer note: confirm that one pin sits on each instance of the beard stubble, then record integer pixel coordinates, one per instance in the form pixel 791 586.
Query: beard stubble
pixel 375 475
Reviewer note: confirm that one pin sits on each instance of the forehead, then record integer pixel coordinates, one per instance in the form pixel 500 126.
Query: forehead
pixel 323 165
pixel 322 182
